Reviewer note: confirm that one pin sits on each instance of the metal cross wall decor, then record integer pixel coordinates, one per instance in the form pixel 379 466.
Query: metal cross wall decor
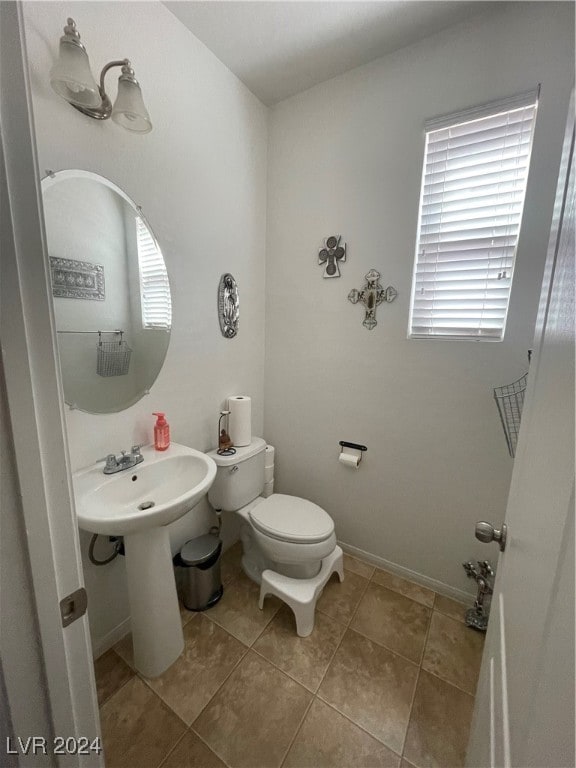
pixel 331 254
pixel 371 295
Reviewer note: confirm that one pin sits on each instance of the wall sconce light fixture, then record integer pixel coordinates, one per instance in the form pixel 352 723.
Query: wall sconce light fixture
pixel 72 79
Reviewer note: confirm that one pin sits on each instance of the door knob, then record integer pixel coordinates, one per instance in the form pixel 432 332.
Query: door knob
pixel 486 532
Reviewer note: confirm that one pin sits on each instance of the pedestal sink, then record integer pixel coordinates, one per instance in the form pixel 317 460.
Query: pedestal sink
pixel 138 504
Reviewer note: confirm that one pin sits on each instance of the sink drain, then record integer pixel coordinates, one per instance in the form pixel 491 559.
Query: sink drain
pixel 146 505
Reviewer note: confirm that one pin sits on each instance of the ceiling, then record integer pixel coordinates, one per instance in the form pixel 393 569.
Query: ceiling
pixel 280 48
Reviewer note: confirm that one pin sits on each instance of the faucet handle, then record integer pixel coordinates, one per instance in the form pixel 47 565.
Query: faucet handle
pixel 135 450
pixel 110 459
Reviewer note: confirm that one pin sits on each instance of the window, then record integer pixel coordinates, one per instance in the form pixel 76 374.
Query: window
pixel 473 188
pixel 154 287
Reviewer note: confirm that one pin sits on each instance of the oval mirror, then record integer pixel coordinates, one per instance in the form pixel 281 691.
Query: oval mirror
pixel 110 290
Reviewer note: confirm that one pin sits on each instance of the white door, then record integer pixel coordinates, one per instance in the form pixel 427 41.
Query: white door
pixel 33 389
pixel 524 714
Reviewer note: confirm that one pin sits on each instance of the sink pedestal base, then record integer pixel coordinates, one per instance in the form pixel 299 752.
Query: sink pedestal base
pixel 155 615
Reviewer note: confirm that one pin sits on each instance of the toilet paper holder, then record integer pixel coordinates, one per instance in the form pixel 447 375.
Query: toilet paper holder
pixel 346 444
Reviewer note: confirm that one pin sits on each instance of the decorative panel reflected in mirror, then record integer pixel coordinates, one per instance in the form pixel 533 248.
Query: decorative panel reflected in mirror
pixel 110 290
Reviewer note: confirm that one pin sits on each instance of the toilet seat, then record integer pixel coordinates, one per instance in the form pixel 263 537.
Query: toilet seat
pixel 292 519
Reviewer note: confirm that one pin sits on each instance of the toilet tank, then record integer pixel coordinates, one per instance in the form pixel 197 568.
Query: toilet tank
pixel 239 478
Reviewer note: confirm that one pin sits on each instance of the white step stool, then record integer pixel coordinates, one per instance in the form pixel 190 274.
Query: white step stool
pixel 301 594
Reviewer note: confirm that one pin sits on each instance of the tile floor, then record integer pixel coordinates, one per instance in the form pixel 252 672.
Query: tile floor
pixel 387 679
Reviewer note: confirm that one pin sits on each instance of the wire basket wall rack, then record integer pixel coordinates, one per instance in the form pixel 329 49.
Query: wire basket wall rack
pixel 510 401
pixel 113 356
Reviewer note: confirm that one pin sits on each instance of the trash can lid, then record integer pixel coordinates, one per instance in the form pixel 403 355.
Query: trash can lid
pixel 197 551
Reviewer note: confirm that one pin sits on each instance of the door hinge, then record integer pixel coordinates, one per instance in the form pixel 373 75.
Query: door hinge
pixel 73 606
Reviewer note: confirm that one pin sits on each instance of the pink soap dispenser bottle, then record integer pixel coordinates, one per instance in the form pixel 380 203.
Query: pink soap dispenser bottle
pixel 161 432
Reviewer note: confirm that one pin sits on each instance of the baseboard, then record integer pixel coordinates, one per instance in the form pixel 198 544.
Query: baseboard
pixel 407 573
pixel 109 640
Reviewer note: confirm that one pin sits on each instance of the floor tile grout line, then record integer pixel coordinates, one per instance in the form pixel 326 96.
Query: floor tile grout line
pixel 291 679
pixel 350 720
pixel 207 614
pixel 165 703
pixel 228 676
pixel 226 629
pixel 340 621
pixel 106 700
pixel 387 648
pixel 449 682
pixel 267 623
pixel 458 602
pixel 398 592
pixel 265 658
pixel 221 684
pixel 323 612
pixel 331 660
pixel 281 671
pixel 435 674
pixel 346 628
pixel 274 664
pixel 145 681
pixel 190 727
pixel 167 755
pixel 357 725
pixel 298 729
pixel 203 740
pixel 351 619
pixel 450 617
pixel 363 563
pixel 410 712
pixel 417 681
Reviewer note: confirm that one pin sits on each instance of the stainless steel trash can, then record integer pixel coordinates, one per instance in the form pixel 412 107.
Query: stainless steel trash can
pixel 201 584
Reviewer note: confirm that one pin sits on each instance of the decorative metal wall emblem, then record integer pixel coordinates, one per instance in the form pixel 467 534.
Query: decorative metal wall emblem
pixel 228 306
pixel 371 295
pixel 331 254
pixel 77 279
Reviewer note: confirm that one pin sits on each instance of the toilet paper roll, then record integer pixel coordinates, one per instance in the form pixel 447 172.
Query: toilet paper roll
pixel 268 474
pixel 269 456
pixel 350 459
pixel 240 420
pixel 268 489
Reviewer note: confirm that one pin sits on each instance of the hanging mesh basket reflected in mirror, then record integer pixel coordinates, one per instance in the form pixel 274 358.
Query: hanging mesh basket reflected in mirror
pixel 113 357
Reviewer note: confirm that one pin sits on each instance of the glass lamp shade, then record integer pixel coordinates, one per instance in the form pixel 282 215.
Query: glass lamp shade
pixel 71 77
pixel 129 110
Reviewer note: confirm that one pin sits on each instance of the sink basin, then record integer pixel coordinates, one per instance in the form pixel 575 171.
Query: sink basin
pixel 138 504
pixel 155 492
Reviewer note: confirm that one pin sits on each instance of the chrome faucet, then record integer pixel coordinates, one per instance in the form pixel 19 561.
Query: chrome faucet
pixel 124 461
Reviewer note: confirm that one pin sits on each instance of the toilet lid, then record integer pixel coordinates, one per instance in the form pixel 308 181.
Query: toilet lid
pixel 290 518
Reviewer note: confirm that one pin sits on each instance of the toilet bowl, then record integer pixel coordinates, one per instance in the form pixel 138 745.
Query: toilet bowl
pixel 287 541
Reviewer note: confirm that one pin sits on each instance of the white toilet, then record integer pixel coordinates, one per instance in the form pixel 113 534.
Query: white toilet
pixel 289 543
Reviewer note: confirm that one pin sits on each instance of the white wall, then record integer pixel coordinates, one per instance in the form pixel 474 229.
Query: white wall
pixel 200 177
pixel 345 158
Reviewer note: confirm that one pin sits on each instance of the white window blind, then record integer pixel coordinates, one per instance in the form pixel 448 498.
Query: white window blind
pixel 473 188
pixel 154 285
